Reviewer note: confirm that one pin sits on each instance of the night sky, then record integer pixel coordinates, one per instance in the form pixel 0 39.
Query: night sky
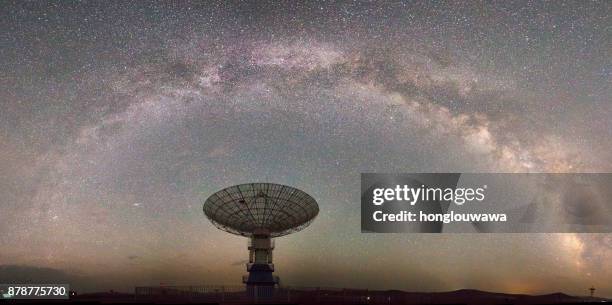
pixel 117 119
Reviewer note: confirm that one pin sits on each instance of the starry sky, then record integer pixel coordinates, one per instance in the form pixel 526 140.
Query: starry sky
pixel 118 118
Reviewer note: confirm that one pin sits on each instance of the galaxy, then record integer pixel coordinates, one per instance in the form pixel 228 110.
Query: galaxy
pixel 119 118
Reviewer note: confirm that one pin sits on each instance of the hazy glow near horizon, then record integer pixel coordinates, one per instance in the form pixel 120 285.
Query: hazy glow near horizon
pixel 118 119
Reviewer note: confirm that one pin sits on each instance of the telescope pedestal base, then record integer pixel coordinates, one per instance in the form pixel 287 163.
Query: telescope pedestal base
pixel 260 275
pixel 260 281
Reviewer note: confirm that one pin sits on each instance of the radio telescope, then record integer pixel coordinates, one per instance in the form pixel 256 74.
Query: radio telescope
pixel 260 211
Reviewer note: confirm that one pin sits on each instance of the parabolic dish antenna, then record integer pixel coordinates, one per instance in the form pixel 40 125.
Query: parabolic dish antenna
pixel 260 211
pixel 254 207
